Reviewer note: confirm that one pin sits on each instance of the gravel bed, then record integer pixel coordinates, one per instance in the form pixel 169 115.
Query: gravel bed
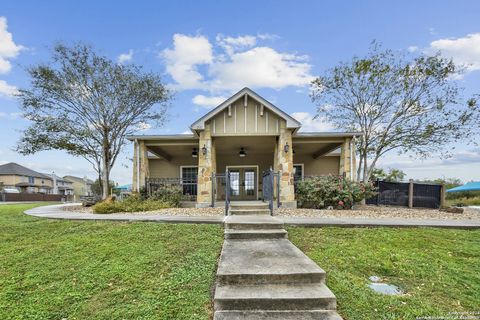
pixel 199 212
pixel 360 212
pixel 382 212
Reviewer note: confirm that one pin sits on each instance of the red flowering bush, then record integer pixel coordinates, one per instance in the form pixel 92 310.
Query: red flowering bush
pixel 324 191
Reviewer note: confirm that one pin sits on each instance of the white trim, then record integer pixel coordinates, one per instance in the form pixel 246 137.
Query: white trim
pixel 351 160
pixel 276 125
pixel 246 118
pixel 266 121
pixel 245 102
pixel 224 122
pixel 248 166
pixel 256 118
pixel 214 126
pixel 303 168
pixel 235 118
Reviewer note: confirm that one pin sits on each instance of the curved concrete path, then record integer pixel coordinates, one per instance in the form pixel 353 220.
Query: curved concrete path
pixel 56 212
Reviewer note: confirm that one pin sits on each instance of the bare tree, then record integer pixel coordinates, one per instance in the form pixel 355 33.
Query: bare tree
pixel 86 104
pixel 398 104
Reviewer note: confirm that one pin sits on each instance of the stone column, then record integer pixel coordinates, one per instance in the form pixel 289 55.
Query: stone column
pixel 135 167
pixel 285 165
pixel 206 165
pixel 143 161
pixel 345 158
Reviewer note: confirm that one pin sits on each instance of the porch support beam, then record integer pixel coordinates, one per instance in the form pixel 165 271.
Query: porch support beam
pixel 346 159
pixel 285 166
pixel 160 153
pixel 206 165
pixel 325 150
pixel 144 171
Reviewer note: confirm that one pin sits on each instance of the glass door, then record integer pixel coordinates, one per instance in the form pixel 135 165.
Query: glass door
pixel 243 183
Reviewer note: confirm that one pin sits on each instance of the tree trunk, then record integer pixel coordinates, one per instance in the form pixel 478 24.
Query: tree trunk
pixel 105 180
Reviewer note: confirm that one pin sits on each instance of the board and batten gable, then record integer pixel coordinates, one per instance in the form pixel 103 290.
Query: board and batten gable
pixel 252 119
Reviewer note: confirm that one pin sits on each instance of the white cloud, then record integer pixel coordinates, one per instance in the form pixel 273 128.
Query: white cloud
pixel 232 44
pixel 183 60
pixel 464 51
pixel 8 48
pixel 207 102
pixel 309 123
pixel 125 57
pixel 143 126
pixel 7 90
pixel 241 64
pixel 412 49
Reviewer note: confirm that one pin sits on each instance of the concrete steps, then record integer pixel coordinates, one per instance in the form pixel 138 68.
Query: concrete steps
pixel 256 234
pixel 277 314
pixel 252 222
pixel 261 275
pixel 274 297
pixel 238 212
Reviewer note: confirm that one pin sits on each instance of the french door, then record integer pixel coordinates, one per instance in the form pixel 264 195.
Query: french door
pixel 243 183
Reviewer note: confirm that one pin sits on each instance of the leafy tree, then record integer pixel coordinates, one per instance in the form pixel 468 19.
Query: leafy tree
pixel 86 104
pixel 97 186
pixel 406 105
pixel 393 175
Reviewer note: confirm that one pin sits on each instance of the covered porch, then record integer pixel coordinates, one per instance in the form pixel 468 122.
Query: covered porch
pixel 197 163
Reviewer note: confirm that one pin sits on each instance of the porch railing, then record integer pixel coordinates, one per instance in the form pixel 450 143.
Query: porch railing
pixel 188 186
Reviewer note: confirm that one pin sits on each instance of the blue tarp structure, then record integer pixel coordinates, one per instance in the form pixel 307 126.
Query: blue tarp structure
pixel 126 187
pixel 471 186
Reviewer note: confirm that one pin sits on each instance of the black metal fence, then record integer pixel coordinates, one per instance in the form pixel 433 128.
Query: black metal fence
pixel 407 194
pixel 188 186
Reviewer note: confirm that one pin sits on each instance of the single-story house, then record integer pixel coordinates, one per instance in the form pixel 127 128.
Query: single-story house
pixel 15 176
pixel 245 135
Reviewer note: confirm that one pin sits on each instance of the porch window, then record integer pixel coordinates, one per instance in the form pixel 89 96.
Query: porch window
pixel 297 172
pixel 189 181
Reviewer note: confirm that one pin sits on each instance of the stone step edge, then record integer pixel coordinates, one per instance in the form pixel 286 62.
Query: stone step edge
pixel 276 314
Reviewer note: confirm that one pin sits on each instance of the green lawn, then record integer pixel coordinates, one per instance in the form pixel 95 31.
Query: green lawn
pixel 438 269
pixel 105 270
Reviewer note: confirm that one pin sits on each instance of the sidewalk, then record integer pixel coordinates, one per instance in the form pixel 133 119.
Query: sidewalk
pixel 56 212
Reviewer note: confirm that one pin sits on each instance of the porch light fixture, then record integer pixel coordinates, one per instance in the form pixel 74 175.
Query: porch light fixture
pixel 242 152
pixel 286 147
pixel 204 150
pixel 194 153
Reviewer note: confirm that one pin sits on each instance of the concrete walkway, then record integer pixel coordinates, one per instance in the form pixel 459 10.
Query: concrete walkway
pixel 56 212
pixel 261 275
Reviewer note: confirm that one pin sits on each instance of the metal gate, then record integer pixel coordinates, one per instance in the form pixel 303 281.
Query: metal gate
pixel 270 183
pixel 221 179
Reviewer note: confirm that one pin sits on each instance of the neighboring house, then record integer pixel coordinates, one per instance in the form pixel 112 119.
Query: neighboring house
pixel 61 186
pixel 15 176
pixel 245 135
pixel 81 186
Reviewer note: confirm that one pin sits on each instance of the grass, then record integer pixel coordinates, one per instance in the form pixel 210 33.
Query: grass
pixel 104 270
pixel 438 269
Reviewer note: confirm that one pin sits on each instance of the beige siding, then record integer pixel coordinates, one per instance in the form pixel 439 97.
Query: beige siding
pixel 165 169
pixel 321 166
pixel 245 120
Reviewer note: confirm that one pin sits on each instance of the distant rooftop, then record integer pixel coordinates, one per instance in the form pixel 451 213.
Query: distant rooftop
pixel 13 168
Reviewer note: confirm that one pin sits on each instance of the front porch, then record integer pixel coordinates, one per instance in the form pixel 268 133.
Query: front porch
pixel 198 165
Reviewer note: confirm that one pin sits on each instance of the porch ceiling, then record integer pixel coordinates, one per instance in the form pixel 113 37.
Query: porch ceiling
pixel 318 149
pixel 252 145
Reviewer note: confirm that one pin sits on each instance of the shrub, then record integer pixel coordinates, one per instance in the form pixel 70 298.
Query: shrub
pixel 133 203
pixel 336 191
pixel 171 194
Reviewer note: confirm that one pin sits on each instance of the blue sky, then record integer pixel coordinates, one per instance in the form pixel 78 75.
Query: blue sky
pixel 207 50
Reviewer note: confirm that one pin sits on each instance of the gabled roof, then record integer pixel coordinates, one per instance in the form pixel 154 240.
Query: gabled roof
pixel 13 168
pixel 78 179
pixel 200 123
